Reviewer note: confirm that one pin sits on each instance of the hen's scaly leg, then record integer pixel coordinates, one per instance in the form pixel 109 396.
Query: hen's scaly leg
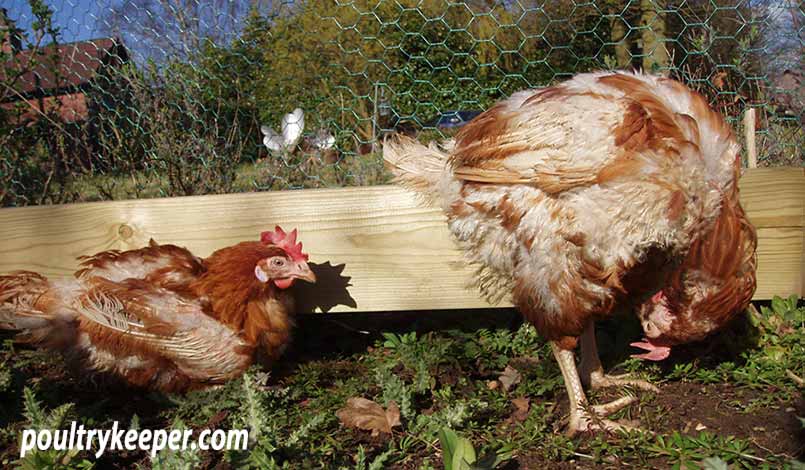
pixel 592 373
pixel 582 416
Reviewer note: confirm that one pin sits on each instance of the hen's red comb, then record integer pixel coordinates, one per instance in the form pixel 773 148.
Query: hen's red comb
pixel 286 241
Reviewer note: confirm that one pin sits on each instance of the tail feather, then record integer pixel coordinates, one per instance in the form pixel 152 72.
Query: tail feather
pixel 415 166
pixel 20 293
pixel 20 285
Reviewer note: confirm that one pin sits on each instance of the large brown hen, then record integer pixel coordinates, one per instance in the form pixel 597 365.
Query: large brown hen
pixel 160 317
pixel 606 192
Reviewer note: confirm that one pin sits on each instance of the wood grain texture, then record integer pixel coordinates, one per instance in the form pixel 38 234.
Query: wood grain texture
pixel 396 253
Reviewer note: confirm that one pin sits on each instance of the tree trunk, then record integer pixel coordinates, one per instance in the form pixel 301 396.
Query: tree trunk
pixel 655 55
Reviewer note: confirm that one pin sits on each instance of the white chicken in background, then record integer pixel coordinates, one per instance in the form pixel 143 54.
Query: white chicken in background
pixel 292 126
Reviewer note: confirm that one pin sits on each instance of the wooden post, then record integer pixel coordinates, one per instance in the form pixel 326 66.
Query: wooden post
pixel 374 121
pixel 749 133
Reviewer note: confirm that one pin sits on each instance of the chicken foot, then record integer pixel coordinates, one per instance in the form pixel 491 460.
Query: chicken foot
pixel 592 373
pixel 584 417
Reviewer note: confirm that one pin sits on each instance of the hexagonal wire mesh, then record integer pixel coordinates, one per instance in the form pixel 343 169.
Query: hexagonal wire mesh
pixel 145 98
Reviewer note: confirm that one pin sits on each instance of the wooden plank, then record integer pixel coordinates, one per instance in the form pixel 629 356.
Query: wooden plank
pixel 397 254
pixel 780 262
pixel 774 197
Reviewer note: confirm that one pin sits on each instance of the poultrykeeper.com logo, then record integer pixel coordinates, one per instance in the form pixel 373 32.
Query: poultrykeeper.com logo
pixel 118 439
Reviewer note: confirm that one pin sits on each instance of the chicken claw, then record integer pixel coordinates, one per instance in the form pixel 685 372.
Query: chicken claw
pixel 592 373
pixel 586 423
pixel 584 417
pixel 597 380
pixel 614 406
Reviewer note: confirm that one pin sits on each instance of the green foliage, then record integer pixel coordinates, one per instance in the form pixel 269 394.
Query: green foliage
pixel 265 413
pixel 780 350
pixel 714 463
pixel 185 459
pixel 440 380
pixel 5 376
pixel 459 454
pixel 190 123
pixel 376 464
pixel 39 418
pixel 29 155
pixel 687 451
pixel 782 309
pixel 253 410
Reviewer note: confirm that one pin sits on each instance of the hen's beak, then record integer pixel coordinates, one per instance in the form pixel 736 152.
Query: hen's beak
pixel 657 349
pixel 304 272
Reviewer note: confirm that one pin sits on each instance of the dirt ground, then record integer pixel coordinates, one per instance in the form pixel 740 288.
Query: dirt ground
pixel 690 408
pixel 717 408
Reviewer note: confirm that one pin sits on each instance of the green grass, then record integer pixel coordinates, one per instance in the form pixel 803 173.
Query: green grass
pixel 446 384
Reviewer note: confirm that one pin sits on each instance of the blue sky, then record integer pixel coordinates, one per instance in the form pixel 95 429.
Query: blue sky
pixel 76 18
pixel 148 28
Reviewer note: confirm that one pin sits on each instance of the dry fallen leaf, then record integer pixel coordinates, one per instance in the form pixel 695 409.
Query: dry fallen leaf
pixel 509 378
pixel 493 385
pixel 521 406
pixel 367 415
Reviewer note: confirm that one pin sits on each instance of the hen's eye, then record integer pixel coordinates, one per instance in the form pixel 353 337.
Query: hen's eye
pixel 278 262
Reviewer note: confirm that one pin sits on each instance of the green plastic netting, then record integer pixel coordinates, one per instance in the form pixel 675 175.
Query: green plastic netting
pixel 148 98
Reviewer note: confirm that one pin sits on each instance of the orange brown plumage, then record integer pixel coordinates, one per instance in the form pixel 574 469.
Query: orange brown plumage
pixel 606 192
pixel 160 317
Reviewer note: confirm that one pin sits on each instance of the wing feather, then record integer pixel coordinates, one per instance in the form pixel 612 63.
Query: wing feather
pixel 153 322
pixel 165 266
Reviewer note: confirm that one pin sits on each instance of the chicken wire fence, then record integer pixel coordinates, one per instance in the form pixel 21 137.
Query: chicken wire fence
pixel 147 98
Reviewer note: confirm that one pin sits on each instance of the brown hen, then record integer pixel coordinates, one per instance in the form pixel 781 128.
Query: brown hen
pixel 608 191
pixel 159 317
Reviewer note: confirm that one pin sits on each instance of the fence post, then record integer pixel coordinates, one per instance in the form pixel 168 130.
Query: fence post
pixel 374 121
pixel 749 134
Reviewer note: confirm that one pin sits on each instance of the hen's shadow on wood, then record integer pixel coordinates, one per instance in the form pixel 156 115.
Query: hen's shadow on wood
pixel 329 290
